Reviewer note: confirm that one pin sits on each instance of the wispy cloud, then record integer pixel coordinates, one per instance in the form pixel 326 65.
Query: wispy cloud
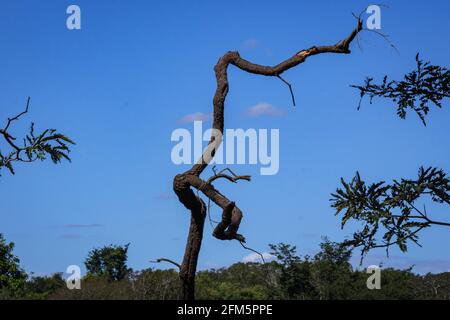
pixel 264 109
pixel 254 257
pixel 251 43
pixel 197 116
pixel 75 225
pixel 71 236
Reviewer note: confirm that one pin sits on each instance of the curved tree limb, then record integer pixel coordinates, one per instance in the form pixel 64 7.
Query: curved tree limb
pixel 176 264
pixel 232 215
pixel 253 250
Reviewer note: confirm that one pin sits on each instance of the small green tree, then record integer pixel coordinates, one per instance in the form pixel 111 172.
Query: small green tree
pixel 12 276
pixel 109 261
pixel 331 271
pixel 295 273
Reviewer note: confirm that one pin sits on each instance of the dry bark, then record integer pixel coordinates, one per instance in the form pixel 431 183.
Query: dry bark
pixel 184 182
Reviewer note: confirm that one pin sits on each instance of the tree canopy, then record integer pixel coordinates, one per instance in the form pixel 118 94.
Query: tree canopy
pixel 12 276
pixel 109 261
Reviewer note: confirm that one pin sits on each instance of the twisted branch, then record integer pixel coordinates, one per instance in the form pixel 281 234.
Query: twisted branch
pixel 182 184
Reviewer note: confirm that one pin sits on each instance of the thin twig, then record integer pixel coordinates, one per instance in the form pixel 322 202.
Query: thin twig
pixel 10 120
pixel 290 88
pixel 233 178
pixel 385 37
pixel 250 249
pixel 217 175
pixel 8 137
pixel 211 221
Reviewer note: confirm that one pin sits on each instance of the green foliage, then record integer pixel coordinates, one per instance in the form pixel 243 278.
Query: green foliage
pixel 332 276
pixel 154 284
pixel 334 254
pixel 395 285
pixel 326 281
pixel 390 209
pixel 109 262
pixel 436 286
pixel 40 288
pixel 327 275
pixel 48 144
pixel 239 281
pixel 96 288
pixel 147 284
pixel 286 254
pixel 295 273
pixel 427 84
pixel 12 277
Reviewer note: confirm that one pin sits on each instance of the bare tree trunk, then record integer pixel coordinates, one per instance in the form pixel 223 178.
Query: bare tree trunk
pixel 231 215
pixel 193 245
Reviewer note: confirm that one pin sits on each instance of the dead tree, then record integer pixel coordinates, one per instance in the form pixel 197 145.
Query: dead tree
pixel 184 183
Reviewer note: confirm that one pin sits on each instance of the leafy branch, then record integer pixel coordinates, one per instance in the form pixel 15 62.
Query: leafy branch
pixel 48 144
pixel 427 84
pixel 390 209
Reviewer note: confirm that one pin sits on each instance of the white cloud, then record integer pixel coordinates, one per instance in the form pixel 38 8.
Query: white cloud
pixel 197 116
pixel 264 108
pixel 254 257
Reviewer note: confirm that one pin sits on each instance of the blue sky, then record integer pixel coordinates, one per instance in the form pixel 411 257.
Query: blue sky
pixel 121 84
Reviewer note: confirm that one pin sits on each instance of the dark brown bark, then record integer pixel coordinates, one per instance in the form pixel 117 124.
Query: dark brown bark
pixel 232 215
